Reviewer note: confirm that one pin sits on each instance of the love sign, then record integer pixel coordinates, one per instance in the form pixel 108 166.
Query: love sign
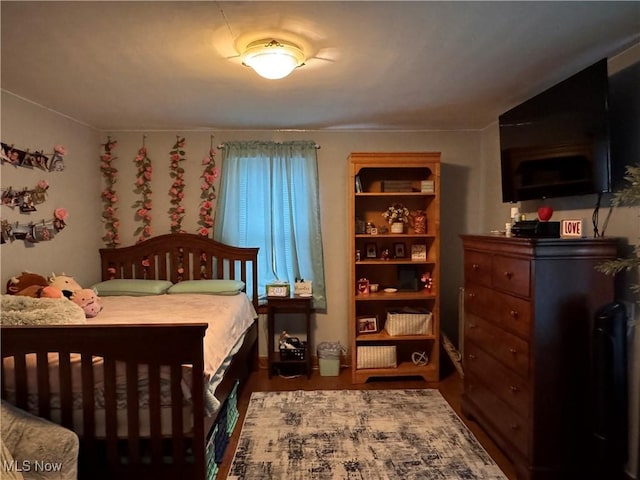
pixel 572 228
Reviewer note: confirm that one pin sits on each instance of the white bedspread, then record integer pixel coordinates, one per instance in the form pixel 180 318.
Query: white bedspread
pixel 228 317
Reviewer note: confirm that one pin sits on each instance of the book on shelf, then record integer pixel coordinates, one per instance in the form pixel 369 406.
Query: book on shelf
pixel 397 186
pixel 358 184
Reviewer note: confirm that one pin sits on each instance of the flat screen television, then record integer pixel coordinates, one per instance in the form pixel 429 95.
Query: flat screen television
pixel 557 144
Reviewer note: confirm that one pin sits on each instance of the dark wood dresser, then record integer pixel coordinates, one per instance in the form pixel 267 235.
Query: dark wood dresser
pixel 528 310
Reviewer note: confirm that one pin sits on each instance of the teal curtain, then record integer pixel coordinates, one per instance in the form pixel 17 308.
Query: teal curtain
pixel 269 198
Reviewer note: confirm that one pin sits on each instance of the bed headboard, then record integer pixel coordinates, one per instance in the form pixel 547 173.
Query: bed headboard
pixel 183 256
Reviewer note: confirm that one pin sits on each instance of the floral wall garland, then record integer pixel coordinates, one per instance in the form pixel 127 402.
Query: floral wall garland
pixel 143 187
pixel 176 192
pixel 208 194
pixel 109 196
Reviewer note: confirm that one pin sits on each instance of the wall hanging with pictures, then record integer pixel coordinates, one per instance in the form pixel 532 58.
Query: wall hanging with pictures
pixel 51 162
pixel 27 198
pixel 34 232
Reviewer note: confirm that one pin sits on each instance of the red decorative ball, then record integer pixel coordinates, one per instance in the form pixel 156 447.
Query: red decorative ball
pixel 544 213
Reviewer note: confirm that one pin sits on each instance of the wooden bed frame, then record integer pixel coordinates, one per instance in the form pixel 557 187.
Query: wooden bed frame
pixel 181 455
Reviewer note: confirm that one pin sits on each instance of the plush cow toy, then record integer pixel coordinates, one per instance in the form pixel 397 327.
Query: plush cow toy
pixel 84 297
pixel 64 283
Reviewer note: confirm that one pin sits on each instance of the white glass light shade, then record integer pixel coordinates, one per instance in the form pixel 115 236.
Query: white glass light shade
pixel 273 59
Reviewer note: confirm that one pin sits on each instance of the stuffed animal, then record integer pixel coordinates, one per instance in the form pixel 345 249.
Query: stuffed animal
pixel 38 291
pixel 88 300
pixel 26 280
pixel 65 283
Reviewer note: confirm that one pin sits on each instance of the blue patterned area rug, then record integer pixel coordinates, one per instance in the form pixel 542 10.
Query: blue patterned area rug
pixel 357 435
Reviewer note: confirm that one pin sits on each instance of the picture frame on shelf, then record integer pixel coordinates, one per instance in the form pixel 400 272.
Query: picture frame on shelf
pixel 418 252
pixel 371 250
pixel 399 250
pixel 368 324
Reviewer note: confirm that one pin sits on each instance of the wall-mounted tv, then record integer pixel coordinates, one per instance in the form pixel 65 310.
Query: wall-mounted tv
pixel 556 144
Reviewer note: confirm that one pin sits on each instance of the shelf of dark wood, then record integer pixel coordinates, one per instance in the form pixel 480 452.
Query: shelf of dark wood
pixel 288 305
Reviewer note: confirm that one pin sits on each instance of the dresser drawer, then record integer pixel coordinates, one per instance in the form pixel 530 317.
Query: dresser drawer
pixel 513 428
pixel 510 313
pixel 477 267
pixel 508 349
pixel 511 275
pixel 510 387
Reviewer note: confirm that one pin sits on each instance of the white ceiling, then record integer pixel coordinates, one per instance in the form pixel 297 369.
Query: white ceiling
pixel 170 65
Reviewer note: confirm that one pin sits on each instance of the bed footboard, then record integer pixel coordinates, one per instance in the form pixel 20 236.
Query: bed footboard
pixel 170 449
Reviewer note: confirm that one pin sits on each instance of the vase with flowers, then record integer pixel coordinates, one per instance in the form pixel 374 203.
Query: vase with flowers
pixel 397 215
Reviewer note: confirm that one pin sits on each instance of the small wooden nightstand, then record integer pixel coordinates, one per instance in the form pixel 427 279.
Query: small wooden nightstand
pixel 294 304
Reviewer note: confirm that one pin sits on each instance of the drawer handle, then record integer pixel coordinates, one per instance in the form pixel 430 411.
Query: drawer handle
pixel 515 426
pixel 513 388
pixel 475 267
pixel 513 350
pixel 472 325
pixel 472 295
pixel 514 313
pixel 472 356
pixel 508 274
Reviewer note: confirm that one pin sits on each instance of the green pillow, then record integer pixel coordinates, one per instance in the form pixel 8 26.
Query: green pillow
pixel 211 287
pixel 131 287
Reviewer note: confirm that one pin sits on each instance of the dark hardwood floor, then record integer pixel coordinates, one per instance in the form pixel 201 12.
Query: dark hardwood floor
pixel 450 387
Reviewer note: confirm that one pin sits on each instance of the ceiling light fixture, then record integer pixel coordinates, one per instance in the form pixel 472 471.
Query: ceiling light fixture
pixel 273 59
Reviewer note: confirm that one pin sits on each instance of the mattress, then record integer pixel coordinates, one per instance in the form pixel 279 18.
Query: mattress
pixel 227 317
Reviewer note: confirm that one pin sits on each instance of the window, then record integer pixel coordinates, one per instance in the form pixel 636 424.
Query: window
pixel 269 199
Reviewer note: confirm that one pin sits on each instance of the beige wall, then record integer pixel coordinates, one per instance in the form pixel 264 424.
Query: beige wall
pixel 77 188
